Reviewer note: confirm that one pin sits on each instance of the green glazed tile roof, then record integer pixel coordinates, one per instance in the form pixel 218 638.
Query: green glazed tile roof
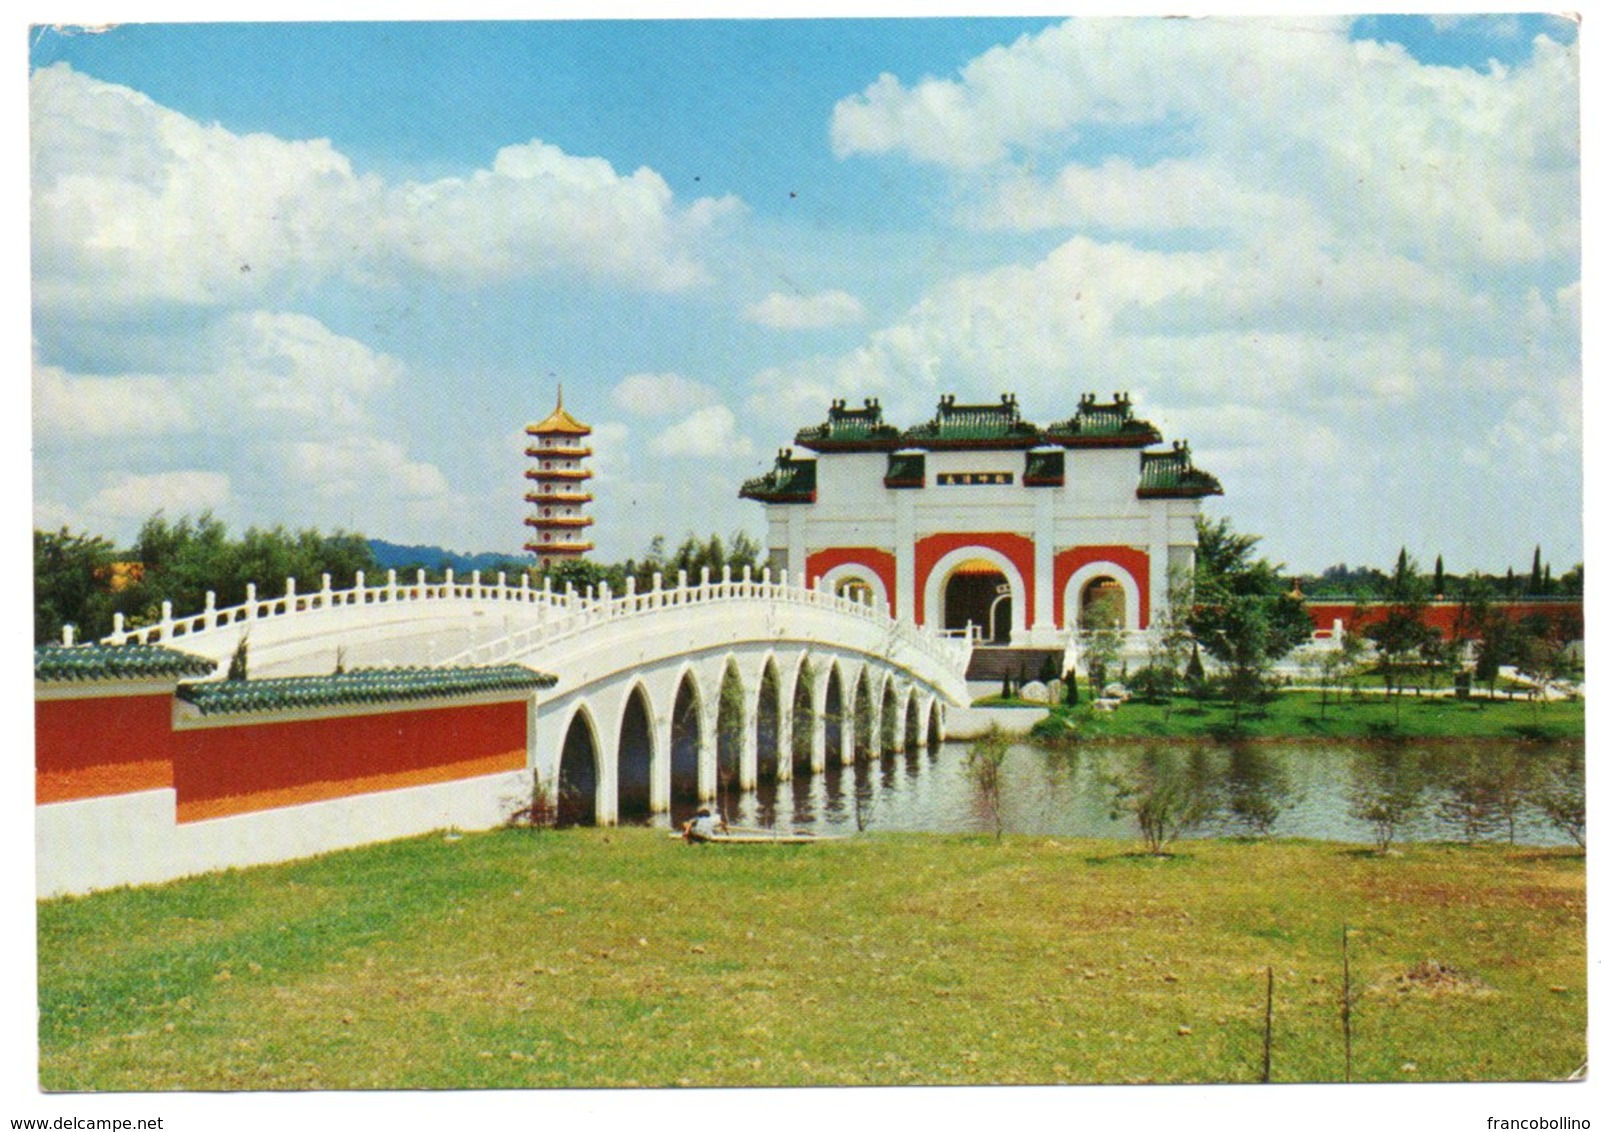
pixel 1098 424
pixel 905 470
pixel 357 686
pixel 851 430
pixel 789 481
pixel 1170 475
pixel 67 663
pixel 974 426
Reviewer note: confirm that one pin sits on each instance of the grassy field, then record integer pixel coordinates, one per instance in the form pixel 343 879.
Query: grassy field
pixel 620 958
pixel 1301 715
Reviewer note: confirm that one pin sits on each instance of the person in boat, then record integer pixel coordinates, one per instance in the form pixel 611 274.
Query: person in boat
pixel 704 826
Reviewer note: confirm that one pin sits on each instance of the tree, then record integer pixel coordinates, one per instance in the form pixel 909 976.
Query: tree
pixel 1439 575
pixel 1386 790
pixel 72 585
pixel 1166 792
pixel 1558 789
pixel 1242 614
pixel 1536 576
pixel 984 761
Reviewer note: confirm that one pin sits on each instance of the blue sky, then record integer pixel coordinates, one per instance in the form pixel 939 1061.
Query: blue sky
pixel 322 274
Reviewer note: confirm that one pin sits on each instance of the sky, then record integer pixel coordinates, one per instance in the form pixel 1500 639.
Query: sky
pixel 323 274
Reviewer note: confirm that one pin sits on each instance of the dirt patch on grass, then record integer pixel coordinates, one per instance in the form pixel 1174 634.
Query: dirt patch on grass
pixel 1434 979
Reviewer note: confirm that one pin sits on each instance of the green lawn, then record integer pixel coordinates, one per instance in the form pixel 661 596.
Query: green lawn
pixel 1302 715
pixel 618 957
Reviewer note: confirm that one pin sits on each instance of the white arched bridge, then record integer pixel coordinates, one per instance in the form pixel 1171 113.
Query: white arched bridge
pixel 663 695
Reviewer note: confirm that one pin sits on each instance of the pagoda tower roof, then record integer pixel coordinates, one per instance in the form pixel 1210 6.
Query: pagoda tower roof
pixel 559 422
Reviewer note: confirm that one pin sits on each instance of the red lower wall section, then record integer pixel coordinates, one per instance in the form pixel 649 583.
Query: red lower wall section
pixel 880 562
pixel 1136 562
pixel 1442 615
pixel 233 770
pixel 1016 549
pixel 102 745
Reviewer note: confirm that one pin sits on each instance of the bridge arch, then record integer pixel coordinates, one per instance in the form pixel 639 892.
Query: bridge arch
pixel 804 718
pixel 772 719
pixel 636 753
pixel 687 735
pixel 867 741
pixel 890 718
pixel 913 720
pixel 578 770
pixel 834 721
pixel 735 727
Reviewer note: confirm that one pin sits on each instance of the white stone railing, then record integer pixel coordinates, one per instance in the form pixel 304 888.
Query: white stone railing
pixel 557 615
pixel 578 614
pixel 292 602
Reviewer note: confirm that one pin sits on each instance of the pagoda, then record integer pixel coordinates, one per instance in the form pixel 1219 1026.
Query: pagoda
pixel 558 450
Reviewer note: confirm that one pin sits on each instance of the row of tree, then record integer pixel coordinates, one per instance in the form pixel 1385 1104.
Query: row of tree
pixel 1369 582
pixel 83 580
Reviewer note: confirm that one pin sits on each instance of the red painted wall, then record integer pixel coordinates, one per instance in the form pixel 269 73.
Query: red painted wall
pixel 1015 548
pixel 101 745
pixel 1441 615
pixel 1136 562
pixel 241 769
pixel 880 562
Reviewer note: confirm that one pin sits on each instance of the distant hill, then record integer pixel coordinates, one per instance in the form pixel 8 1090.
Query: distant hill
pixel 395 556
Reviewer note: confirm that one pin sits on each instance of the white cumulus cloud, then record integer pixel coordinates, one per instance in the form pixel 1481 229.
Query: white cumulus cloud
pixel 659 394
pixel 709 432
pixel 805 312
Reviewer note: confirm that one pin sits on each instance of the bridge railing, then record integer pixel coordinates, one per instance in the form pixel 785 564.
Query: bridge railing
pixel 557 614
pixel 293 602
pixel 584 612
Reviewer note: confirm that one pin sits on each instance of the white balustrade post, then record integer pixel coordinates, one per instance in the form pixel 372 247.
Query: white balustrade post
pixel 327 588
pixel 289 595
pixel 166 620
pixel 211 609
pixel 656 581
pixel 450 580
pixel 67 632
pixel 783 577
pixel 361 586
pixel 391 588
pixel 250 600
pixel 476 590
pixel 118 632
pixel 683 582
pixel 629 587
pixel 705 576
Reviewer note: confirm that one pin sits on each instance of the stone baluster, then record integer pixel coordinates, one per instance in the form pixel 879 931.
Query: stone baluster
pixel 118 631
pixel 450 582
pixel 289 595
pixel 250 600
pixel 361 587
pixel 476 591
pixel 67 633
pixel 210 621
pixel 327 590
pixel 166 620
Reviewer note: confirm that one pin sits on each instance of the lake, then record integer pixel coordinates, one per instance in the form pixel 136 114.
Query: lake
pixel 1295 789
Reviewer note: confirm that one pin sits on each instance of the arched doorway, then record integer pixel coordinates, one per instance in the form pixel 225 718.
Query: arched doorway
pixel 978 593
pixel 856 588
pixel 1103 604
pixel 685 742
pixel 579 771
pixel 633 757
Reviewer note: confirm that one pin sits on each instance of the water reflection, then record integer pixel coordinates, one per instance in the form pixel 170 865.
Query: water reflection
pixel 1358 792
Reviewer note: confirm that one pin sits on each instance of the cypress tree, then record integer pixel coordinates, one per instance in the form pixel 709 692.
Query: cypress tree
pixel 1439 574
pixel 1534 571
